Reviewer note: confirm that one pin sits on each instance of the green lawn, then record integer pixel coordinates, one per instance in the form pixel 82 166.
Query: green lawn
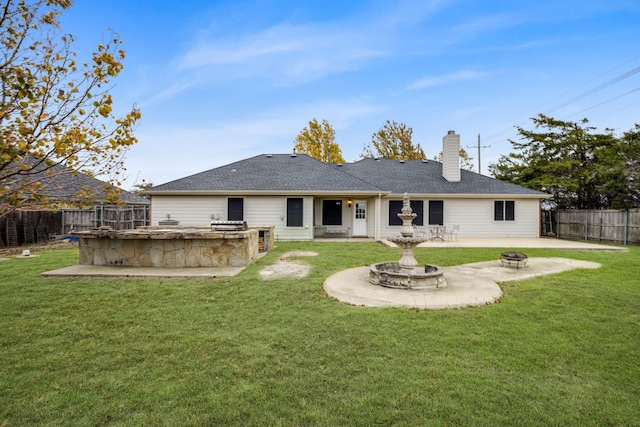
pixel 558 350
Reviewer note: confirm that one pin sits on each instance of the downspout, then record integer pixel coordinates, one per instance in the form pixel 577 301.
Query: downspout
pixel 376 232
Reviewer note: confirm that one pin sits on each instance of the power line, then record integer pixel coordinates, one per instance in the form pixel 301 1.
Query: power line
pixel 598 88
pixel 607 101
pixel 479 147
pixel 608 83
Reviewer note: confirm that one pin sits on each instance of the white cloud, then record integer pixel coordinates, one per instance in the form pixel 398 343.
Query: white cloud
pixel 165 153
pixel 284 53
pixel 447 78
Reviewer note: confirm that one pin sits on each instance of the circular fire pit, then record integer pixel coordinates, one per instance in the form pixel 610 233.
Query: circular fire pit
pixel 513 259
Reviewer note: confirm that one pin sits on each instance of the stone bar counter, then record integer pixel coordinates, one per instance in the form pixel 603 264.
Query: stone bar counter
pixel 168 247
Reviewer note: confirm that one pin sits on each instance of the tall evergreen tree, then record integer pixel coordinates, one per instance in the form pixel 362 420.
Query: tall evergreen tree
pixel 579 167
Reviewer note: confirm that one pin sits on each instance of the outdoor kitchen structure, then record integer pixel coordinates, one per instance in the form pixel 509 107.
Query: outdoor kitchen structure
pixel 222 245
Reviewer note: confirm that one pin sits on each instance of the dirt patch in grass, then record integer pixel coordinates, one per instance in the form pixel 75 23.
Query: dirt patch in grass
pixel 286 267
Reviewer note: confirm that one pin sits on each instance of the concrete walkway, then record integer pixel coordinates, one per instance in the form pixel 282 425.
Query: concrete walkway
pixel 519 243
pixel 119 271
pixel 506 244
pixel 467 285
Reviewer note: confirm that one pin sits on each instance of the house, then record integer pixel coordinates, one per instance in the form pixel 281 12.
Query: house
pixel 56 199
pixel 59 185
pixel 304 198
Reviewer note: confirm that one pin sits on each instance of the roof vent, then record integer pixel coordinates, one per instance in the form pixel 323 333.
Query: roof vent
pixel 401 161
pixel 293 155
pixel 269 156
pixel 339 164
pixel 425 161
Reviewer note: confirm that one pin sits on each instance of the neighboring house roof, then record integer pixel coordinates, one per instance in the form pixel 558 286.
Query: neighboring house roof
pixel 61 184
pixel 268 173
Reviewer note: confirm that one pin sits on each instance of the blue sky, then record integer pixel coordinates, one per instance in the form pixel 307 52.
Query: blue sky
pixel 219 81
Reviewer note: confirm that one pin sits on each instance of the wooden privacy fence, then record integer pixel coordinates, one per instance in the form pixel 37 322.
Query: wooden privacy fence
pixel 116 217
pixel 22 227
pixel 606 225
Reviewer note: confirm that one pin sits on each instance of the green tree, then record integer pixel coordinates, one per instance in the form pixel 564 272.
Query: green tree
pixel 318 141
pixel 393 141
pixel 579 167
pixel 54 110
pixel 466 161
pixel 139 188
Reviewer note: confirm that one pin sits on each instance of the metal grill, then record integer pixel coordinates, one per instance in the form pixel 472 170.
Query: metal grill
pixel 228 225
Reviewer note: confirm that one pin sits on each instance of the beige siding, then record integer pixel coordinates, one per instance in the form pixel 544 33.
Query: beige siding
pixel 475 217
pixel 258 211
pixel 188 210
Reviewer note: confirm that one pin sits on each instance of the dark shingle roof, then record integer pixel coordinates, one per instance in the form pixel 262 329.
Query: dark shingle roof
pixel 285 172
pixel 425 177
pixel 266 172
pixel 62 185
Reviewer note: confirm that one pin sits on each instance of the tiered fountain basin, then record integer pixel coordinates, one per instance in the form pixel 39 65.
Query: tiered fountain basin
pixel 392 275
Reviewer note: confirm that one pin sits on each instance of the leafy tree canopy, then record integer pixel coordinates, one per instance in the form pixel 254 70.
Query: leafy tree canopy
pixel 578 166
pixel 54 110
pixel 393 141
pixel 318 141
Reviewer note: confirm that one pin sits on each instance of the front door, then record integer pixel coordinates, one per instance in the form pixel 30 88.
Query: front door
pixel 360 218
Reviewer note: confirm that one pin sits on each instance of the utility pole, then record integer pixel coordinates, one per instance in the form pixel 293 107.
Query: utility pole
pixel 479 147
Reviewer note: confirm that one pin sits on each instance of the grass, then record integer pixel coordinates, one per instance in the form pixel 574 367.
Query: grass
pixel 558 350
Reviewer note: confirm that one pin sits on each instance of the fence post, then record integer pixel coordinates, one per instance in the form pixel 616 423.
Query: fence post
pixel 626 226
pixel 586 225
pixel 600 236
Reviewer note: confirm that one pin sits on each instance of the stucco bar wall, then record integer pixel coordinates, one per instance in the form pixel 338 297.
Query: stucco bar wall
pixel 168 248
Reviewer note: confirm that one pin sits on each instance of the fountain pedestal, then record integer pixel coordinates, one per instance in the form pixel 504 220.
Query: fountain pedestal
pixel 405 274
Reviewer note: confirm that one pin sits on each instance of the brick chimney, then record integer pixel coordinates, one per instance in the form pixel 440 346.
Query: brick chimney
pixel 451 156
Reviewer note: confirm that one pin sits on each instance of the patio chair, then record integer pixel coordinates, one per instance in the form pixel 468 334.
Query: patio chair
pixel 453 232
pixel 420 232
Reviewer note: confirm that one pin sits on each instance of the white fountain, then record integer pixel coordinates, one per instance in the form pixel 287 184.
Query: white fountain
pixel 405 274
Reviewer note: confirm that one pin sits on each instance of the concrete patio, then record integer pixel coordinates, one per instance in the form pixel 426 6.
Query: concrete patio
pixel 212 272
